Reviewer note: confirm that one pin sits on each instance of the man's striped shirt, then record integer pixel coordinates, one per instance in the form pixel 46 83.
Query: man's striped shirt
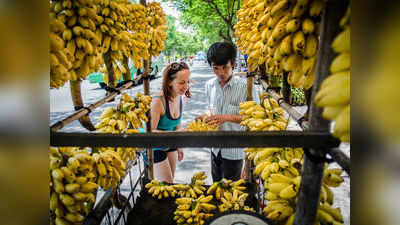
pixel 226 101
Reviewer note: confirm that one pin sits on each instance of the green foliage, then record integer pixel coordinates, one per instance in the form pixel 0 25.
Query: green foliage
pixel 213 20
pixel 182 43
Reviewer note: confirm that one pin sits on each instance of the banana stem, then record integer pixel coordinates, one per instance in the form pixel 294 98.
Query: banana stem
pixel 76 95
pixel 127 74
pixel 110 70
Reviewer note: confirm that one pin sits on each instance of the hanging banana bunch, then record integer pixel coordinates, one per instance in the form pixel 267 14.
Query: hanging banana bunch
pixel 280 169
pixel 334 93
pixel 72 185
pixel 75 40
pixel 281 35
pixel 268 116
pixel 157 28
pixel 129 115
pixel 138 42
pixel 110 169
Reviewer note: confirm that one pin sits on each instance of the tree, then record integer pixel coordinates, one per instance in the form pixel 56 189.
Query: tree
pixel 181 43
pixel 213 18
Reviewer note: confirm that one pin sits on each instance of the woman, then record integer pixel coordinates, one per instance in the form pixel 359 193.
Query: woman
pixel 166 114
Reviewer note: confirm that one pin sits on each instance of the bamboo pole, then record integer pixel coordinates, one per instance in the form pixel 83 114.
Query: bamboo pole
pixel 146 84
pixel 247 168
pixel 285 88
pixel 312 171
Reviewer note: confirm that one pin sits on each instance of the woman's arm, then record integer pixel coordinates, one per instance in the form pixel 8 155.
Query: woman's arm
pixel 156 110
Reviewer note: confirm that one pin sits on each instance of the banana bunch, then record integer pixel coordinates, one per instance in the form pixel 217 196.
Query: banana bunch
pixel 234 202
pixel 75 40
pixel 267 161
pixel 224 185
pixel 280 169
pixel 267 116
pixel 334 93
pixel 138 42
pixel 195 188
pixel 110 169
pixel 193 210
pixel 157 28
pixel 125 154
pixel 281 35
pixel 72 185
pixel 129 115
pixel 201 125
pixel 160 190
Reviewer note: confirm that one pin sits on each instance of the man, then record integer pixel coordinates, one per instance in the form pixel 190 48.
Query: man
pixel 224 94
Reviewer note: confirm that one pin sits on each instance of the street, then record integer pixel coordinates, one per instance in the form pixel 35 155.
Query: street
pixel 195 159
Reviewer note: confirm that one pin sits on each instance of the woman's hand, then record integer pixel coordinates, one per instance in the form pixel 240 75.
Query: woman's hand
pixel 181 129
pixel 180 154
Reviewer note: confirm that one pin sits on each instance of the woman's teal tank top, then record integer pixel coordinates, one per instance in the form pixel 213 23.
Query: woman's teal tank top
pixel 166 122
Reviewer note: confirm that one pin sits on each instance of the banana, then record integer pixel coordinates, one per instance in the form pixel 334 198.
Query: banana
pixel 311 46
pixel 285 47
pixel 341 63
pixel 342 125
pixel 341 43
pixel 292 26
pixel 308 26
pixel 288 192
pixel 334 212
pixel 298 42
pixel 331 112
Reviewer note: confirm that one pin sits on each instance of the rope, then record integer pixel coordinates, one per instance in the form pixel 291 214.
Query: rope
pixel 77 108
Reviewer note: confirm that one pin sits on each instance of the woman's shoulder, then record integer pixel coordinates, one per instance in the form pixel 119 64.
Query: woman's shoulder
pixel 158 95
pixel 158 100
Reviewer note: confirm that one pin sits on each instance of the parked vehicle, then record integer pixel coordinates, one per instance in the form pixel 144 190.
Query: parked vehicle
pixel 98 77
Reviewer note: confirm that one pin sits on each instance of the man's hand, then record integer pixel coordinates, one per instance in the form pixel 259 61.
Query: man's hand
pixel 180 154
pixel 200 117
pixel 216 119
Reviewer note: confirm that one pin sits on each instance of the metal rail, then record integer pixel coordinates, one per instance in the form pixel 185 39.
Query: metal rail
pixel 84 111
pixel 103 206
pixel 222 139
pixel 292 112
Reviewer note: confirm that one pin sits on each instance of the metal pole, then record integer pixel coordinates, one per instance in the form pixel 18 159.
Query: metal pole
pixel 312 172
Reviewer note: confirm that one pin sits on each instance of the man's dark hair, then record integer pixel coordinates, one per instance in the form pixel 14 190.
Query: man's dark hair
pixel 220 53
